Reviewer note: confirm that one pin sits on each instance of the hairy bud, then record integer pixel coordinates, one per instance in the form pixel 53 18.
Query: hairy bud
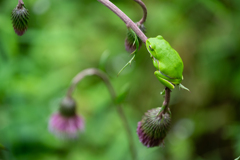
pixel 66 123
pixel 20 17
pixel 153 128
pixel 130 41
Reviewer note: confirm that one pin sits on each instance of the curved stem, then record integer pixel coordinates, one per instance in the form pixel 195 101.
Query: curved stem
pixel 125 19
pixel 144 8
pixel 103 76
pixel 90 72
pixel 165 102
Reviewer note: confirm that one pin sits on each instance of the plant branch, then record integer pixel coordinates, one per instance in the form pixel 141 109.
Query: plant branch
pixel 144 8
pixel 165 102
pixel 103 76
pixel 167 99
pixel 90 72
pixel 124 18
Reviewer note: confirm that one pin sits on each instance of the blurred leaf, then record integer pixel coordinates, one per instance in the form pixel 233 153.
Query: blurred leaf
pixel 2 147
pixel 124 93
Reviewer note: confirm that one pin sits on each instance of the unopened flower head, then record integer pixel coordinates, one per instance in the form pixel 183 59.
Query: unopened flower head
pixel 66 123
pixel 130 41
pixel 153 128
pixel 20 17
pixel 68 107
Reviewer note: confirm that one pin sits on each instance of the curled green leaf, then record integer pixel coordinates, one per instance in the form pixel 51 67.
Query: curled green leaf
pixel 135 42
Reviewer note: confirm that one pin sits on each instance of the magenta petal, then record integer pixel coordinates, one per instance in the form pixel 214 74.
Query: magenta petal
pixel 147 140
pixel 20 32
pixel 67 127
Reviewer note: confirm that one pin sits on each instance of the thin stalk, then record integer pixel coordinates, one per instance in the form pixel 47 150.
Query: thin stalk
pixel 103 76
pixel 125 19
pixel 166 101
pixel 144 8
pixel 20 4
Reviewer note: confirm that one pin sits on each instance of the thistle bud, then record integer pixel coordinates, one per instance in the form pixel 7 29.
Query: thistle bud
pixel 130 41
pixel 68 107
pixel 153 128
pixel 142 28
pixel 66 123
pixel 20 17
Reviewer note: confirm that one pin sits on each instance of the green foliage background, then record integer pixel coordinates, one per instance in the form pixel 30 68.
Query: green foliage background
pixel 65 37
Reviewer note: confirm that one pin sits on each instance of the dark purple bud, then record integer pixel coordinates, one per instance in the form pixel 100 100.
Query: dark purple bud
pixel 142 28
pixel 68 107
pixel 153 128
pixel 20 17
pixel 66 127
pixel 66 123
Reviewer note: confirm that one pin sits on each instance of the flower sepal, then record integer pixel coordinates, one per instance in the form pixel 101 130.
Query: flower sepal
pixel 153 127
pixel 20 17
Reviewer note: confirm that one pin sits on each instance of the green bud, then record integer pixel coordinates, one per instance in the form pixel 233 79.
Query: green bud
pixel 153 128
pixel 130 41
pixel 20 17
pixel 68 107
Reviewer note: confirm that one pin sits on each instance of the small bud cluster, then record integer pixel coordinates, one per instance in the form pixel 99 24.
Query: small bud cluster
pixel 153 128
pixel 20 17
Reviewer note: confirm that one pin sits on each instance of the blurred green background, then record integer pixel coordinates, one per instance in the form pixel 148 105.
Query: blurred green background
pixel 65 37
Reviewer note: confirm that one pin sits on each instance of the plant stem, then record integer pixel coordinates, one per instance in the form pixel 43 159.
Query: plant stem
pixel 103 76
pixel 165 102
pixel 20 4
pixel 167 98
pixel 144 8
pixel 125 19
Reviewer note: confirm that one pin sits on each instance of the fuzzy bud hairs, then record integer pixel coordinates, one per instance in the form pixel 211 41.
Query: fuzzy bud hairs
pixel 20 17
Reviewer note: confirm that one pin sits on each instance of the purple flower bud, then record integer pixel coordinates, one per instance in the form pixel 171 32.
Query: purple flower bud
pixel 153 128
pixel 66 123
pixel 130 44
pixel 20 17
pixel 142 28
pixel 66 127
